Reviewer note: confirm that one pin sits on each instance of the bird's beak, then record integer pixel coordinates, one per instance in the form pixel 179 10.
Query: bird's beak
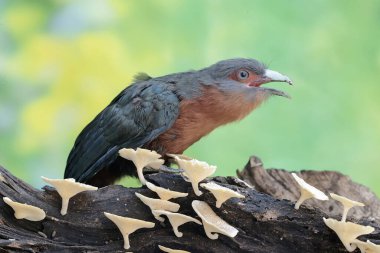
pixel 274 76
pixel 270 76
pixel 276 92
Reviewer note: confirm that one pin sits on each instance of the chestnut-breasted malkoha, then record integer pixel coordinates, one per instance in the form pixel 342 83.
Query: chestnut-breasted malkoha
pixel 168 114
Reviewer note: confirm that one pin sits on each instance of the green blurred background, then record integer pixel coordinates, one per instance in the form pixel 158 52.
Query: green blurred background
pixel 61 62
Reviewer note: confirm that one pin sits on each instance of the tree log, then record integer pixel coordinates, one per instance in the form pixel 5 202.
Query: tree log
pixel 281 185
pixel 266 221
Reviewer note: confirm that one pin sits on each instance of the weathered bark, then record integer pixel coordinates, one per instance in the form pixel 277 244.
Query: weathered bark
pixel 280 185
pixel 265 223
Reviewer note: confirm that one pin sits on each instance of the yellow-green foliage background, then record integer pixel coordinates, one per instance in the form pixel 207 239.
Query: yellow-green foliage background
pixel 61 62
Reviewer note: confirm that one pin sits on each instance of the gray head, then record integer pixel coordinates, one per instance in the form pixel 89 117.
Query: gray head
pixel 244 75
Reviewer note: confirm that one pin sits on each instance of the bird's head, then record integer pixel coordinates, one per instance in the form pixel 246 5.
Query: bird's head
pixel 245 76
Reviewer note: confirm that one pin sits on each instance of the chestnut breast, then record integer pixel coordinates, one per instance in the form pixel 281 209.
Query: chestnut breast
pixel 200 116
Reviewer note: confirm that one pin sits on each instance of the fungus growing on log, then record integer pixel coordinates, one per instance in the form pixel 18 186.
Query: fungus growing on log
pixel 68 188
pixel 128 225
pixel 307 191
pixel 158 204
pixel 169 250
pixel 367 247
pixel 176 220
pixel 347 204
pixel 142 158
pixel 348 231
pixel 212 223
pixel 221 193
pixel 180 156
pixel 195 171
pixel 25 211
pixel 165 194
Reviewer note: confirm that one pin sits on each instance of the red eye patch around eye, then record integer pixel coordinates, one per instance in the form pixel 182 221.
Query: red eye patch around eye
pixel 236 76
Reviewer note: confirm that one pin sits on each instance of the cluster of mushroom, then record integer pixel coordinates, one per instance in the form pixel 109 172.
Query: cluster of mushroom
pixel 193 171
pixel 66 188
pixel 348 232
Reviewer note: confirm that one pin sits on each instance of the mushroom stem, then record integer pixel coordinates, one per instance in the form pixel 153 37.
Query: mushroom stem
pixel 219 203
pixel 127 226
pixel 304 196
pixel 176 232
pixel 208 229
pixel 196 188
pixel 345 212
pixel 65 205
pixel 141 175
pixel 126 241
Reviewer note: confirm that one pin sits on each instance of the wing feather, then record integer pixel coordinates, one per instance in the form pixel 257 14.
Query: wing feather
pixel 135 117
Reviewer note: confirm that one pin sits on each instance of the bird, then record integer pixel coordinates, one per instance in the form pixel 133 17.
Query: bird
pixel 168 114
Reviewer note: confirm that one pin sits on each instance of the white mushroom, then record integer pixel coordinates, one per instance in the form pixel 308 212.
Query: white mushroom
pixel 169 250
pixel 195 171
pixel 348 231
pixel 212 223
pixel 347 204
pixel 367 247
pixel 128 225
pixel 307 191
pixel 25 211
pixel 176 220
pixel 180 156
pixel 221 193
pixel 158 204
pixel 68 188
pixel 142 158
pixel 165 194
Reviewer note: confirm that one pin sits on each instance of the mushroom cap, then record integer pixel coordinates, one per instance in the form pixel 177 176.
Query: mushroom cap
pixel 67 188
pixel 158 204
pixel 25 211
pixel 142 158
pixel 347 231
pixel 309 188
pixel 367 247
pixel 176 219
pixel 212 223
pixel 195 171
pixel 221 193
pixel 165 194
pixel 180 156
pixel 181 218
pixel 128 225
pixel 169 250
pixel 345 201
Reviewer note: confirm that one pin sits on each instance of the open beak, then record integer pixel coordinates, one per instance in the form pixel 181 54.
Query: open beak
pixel 272 76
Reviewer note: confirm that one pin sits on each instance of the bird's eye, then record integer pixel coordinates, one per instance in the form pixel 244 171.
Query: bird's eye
pixel 243 74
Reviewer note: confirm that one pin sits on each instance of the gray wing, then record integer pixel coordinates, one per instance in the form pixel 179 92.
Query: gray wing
pixel 135 117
